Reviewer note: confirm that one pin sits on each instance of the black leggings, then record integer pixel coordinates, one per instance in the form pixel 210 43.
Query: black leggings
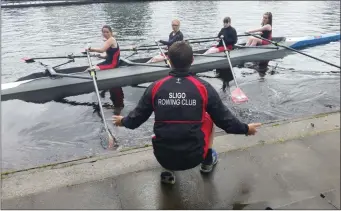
pixel 117 96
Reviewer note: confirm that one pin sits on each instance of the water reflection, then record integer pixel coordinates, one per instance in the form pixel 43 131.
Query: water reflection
pixel 129 20
pixel 34 134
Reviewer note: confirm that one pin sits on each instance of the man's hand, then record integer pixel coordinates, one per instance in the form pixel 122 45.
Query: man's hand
pixel 117 120
pixel 253 128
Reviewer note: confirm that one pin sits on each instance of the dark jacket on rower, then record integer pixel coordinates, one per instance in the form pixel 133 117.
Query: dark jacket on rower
pixel 267 34
pixel 178 36
pixel 180 102
pixel 112 59
pixel 230 36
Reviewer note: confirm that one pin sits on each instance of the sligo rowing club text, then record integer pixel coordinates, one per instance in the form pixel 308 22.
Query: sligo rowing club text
pixel 178 98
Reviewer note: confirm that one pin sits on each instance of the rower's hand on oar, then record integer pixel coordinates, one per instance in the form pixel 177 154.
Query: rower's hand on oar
pixel 95 68
pixel 134 48
pixel 253 128
pixel 117 120
pixel 88 49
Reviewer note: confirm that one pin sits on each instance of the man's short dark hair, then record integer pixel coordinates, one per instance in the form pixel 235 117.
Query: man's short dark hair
pixel 181 55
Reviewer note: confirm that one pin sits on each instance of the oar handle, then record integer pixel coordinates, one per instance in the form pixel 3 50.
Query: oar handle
pixel 163 54
pixel 297 51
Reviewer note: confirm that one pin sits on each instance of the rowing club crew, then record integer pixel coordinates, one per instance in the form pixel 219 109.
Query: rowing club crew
pixel 112 49
pixel 112 58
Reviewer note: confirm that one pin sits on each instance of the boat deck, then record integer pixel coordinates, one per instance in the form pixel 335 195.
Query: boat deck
pixel 45 89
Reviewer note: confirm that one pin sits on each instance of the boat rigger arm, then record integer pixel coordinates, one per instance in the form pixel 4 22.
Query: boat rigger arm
pixel 221 115
pixel 142 111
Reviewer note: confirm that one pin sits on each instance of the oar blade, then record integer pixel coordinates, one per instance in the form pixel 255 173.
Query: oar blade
pixel 238 96
pixel 27 60
pixel 108 141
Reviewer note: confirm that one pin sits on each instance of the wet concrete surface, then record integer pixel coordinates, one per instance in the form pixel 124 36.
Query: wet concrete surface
pixel 286 175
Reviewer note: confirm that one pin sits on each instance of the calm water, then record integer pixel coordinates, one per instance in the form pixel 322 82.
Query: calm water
pixel 34 134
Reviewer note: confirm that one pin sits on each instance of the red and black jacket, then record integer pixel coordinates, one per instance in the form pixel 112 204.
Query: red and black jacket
pixel 180 102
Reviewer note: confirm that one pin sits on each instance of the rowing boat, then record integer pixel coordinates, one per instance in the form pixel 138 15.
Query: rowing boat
pixel 41 88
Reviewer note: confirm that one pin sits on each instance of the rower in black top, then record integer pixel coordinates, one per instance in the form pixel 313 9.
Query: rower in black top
pixel 230 38
pixel 174 36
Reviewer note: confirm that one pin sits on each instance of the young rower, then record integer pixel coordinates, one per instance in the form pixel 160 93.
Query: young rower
pixel 112 58
pixel 230 37
pixel 265 30
pixel 174 36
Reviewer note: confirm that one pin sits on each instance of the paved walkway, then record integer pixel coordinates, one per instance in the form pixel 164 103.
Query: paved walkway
pixel 301 172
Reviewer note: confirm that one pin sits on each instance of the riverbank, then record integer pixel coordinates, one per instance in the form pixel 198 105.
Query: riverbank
pixel 287 165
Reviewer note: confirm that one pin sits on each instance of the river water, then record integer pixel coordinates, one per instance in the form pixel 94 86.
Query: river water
pixel 35 134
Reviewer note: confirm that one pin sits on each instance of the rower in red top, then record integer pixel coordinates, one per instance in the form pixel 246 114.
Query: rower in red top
pixel 112 58
pixel 230 37
pixel 174 36
pixel 265 30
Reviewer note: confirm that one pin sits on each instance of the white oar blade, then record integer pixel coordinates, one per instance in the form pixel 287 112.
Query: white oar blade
pixel 238 96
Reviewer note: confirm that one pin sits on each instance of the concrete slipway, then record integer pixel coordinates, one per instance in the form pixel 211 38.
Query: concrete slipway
pixel 287 165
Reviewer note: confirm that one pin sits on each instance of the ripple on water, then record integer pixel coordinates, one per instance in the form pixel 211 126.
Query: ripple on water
pixel 34 134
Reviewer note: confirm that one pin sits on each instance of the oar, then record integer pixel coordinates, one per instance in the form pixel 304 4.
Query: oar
pixel 237 95
pixel 30 60
pixel 283 46
pixel 163 54
pixel 191 40
pixel 111 139
pixel 140 49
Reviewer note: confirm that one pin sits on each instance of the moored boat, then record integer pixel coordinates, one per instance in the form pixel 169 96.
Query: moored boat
pixel 41 88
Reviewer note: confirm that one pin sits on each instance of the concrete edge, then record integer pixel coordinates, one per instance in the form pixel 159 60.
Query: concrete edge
pixel 101 167
pixel 132 150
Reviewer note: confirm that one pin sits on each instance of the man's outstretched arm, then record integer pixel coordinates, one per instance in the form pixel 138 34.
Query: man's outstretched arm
pixel 140 114
pixel 224 118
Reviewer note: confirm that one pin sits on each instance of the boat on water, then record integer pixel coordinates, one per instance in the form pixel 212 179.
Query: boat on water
pixel 43 87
